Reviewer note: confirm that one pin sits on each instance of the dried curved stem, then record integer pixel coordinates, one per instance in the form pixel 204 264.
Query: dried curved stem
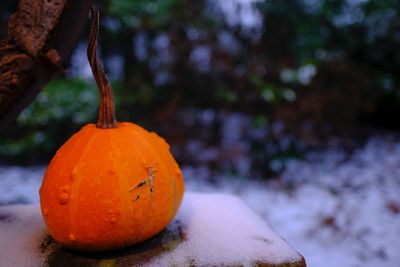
pixel 106 110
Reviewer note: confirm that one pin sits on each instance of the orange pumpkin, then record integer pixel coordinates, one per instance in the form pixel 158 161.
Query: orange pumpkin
pixel 112 184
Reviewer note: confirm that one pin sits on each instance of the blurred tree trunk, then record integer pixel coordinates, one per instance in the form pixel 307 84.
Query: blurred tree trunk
pixel 41 35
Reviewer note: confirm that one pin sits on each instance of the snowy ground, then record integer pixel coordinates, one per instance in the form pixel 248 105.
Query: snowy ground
pixel 334 208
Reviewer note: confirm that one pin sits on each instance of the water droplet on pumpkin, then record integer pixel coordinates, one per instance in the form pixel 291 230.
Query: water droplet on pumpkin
pixel 63 198
pixel 113 219
pixel 72 237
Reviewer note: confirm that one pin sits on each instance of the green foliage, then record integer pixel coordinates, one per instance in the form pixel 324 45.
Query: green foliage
pixel 260 122
pixel 273 93
pixel 226 95
pixel 63 100
pixel 62 107
pixel 139 13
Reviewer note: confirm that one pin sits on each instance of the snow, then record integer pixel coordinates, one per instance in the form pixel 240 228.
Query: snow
pixel 20 185
pixel 22 227
pixel 335 208
pixel 223 231
pixel 220 230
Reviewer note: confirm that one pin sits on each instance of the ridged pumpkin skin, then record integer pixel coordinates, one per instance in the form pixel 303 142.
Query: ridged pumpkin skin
pixel 110 188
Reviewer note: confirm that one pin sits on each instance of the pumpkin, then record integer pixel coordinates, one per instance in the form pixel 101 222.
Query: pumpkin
pixel 112 184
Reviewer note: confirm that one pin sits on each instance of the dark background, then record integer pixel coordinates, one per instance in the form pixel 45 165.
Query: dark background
pixel 238 88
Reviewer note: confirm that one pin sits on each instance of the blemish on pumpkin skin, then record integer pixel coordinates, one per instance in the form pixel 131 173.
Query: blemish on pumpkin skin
pixel 72 237
pixel 46 212
pixel 151 171
pixel 73 174
pixel 112 216
pixel 142 183
pixel 65 189
pixel 63 195
pixel 178 173
pixel 136 198
pixel 63 198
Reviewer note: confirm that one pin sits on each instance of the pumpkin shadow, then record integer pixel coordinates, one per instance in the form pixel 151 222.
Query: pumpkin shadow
pixel 138 254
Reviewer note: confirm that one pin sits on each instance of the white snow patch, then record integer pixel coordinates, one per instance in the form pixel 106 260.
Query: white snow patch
pixel 21 233
pixel 20 185
pixel 223 231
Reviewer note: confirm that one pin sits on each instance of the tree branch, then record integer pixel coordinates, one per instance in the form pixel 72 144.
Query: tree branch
pixel 41 36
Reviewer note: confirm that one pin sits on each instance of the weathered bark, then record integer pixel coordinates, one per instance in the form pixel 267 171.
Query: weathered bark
pixel 41 35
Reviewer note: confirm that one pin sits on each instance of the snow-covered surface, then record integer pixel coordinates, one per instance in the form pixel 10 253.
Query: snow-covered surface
pixel 220 230
pixel 21 233
pixel 335 208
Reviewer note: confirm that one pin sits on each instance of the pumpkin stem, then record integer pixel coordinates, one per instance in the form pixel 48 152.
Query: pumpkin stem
pixel 106 110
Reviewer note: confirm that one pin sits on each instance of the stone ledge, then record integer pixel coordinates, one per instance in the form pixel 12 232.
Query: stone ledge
pixel 209 230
